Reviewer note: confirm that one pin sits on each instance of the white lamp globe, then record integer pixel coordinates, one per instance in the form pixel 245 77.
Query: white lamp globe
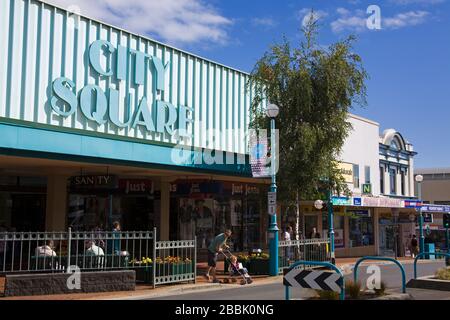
pixel 272 110
pixel 318 204
pixel 419 178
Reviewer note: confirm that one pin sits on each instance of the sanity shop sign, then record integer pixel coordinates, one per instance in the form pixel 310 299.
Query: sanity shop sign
pixel 102 107
pixel 88 182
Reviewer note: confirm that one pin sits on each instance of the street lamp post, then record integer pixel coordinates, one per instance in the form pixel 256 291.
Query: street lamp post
pixel 272 112
pixel 319 205
pixel 419 179
pixel 395 215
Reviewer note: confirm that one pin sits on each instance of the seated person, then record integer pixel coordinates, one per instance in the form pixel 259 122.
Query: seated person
pixel 46 256
pixel 46 250
pixel 93 250
pixel 236 269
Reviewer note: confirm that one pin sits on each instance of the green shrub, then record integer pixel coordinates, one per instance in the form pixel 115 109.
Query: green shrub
pixel 443 274
pixel 328 295
pixel 382 290
pixel 353 289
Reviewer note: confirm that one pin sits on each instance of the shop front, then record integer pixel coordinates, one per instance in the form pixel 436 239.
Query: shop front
pixel 205 208
pixel 96 201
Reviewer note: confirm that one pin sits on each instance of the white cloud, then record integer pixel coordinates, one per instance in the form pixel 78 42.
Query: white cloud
pixel 174 21
pixel 264 22
pixel 410 18
pixel 351 23
pixel 356 21
pixel 306 14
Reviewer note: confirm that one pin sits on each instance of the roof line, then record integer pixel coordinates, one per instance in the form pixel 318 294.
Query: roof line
pixel 148 38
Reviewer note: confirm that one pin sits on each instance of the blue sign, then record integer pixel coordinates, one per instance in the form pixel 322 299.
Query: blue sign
pixel 357 201
pixel 435 208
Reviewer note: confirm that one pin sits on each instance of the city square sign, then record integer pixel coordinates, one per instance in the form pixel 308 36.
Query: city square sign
pixel 102 107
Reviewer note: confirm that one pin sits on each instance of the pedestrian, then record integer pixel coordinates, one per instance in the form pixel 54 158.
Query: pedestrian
pixel 216 246
pixel 315 234
pixel 414 246
pixel 286 236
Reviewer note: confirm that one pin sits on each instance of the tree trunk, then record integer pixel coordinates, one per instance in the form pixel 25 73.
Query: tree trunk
pixel 297 225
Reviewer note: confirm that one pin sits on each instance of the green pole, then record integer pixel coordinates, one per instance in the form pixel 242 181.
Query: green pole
pixel 331 226
pixel 273 228
pixel 422 238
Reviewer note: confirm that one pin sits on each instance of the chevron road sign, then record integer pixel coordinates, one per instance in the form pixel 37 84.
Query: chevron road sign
pixel 308 279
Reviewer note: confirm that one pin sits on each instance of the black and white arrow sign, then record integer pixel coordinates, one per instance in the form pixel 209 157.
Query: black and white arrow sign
pixel 308 279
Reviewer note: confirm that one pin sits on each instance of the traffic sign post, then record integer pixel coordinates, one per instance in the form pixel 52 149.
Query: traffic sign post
pixel 314 279
pixel 272 202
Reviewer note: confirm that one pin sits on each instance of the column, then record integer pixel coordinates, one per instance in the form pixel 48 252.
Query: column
pixel 56 207
pixel 163 233
pixel 376 230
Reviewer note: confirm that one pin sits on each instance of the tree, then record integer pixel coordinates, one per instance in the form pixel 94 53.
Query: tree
pixel 314 87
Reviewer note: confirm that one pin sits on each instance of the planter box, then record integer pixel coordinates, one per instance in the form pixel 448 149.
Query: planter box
pixel 145 273
pixel 430 283
pixel 258 267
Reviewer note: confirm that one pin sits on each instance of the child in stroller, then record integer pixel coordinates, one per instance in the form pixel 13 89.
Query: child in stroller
pixel 236 269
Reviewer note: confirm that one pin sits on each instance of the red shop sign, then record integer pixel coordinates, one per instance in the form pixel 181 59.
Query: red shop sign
pixel 136 186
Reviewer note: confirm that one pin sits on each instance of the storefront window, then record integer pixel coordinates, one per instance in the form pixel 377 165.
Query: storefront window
pixel 206 214
pixel 95 206
pixel 89 212
pixel 22 203
pixel 361 231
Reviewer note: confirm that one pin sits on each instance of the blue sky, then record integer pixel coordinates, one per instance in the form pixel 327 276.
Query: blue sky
pixel 408 60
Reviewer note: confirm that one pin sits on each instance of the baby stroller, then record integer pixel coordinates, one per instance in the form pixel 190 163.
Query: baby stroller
pixel 236 271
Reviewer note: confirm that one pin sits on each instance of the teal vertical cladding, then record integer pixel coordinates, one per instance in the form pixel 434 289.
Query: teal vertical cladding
pixel 204 82
pixel 38 65
pixel 10 57
pixel 24 59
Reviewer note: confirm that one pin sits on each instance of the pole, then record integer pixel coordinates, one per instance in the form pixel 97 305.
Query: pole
pixel 331 227
pixel 422 238
pixel 273 228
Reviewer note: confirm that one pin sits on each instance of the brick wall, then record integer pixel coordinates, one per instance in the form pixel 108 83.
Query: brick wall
pixel 56 283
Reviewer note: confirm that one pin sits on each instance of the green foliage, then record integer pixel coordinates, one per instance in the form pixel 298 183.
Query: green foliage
pixel 353 289
pixel 382 290
pixel 328 295
pixel 443 274
pixel 315 88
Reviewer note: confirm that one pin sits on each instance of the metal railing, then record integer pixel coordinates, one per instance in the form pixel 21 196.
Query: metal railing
pixel 305 249
pixel 24 252
pixel 178 264
pixel 155 262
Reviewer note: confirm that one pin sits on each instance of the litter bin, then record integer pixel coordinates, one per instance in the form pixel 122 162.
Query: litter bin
pixel 429 247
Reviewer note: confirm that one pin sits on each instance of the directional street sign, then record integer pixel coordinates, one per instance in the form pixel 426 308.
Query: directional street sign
pixel 272 202
pixel 309 279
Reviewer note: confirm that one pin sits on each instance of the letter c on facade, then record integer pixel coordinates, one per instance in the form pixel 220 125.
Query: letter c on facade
pixel 94 56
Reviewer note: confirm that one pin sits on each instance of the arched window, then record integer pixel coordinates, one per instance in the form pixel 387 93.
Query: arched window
pixel 395 144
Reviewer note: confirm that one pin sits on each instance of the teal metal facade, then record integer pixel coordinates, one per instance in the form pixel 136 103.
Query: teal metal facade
pixel 42 43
